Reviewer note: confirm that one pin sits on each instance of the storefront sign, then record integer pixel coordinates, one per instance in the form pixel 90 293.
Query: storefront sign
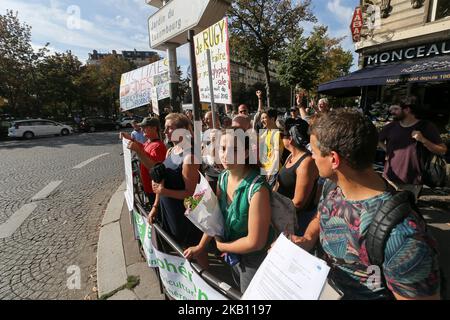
pixel 423 51
pixel 357 24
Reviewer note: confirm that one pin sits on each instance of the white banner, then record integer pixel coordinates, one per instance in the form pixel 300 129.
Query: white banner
pixel 215 38
pixel 128 175
pixel 145 235
pixel 155 104
pixel 136 86
pixel 181 281
pixel 177 275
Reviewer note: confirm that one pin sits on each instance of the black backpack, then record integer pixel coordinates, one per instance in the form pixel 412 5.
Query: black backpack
pixel 393 212
pixel 434 167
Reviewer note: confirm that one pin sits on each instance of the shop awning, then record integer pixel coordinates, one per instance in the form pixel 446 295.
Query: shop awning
pixel 421 70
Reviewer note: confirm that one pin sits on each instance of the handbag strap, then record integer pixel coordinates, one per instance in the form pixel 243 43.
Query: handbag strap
pixel 249 197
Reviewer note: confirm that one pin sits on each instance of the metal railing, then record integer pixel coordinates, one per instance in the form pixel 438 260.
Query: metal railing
pixel 221 286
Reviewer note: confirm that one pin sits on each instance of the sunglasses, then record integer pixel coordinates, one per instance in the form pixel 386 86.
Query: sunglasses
pixel 243 111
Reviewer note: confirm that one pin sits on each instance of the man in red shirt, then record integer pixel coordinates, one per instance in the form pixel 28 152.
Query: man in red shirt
pixel 153 151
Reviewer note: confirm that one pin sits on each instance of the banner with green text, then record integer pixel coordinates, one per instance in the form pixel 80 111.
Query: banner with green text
pixel 178 277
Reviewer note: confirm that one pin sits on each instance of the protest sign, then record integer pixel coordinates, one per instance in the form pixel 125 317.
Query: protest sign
pixel 177 275
pixel 136 86
pixel 215 39
pixel 129 194
pixel 181 281
pixel 145 235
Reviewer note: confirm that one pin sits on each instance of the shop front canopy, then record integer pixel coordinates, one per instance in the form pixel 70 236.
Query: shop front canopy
pixel 430 69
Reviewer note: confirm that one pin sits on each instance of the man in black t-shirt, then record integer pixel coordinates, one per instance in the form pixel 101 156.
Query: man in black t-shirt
pixel 406 142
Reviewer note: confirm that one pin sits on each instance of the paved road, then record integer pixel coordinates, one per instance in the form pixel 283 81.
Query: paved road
pixel 62 230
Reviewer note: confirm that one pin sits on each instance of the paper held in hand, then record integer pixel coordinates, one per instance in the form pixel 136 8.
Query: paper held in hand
pixel 289 273
pixel 203 209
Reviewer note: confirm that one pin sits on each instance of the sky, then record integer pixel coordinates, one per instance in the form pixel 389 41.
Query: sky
pixel 105 25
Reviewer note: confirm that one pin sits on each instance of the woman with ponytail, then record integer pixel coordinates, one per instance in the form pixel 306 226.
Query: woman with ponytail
pixel 297 179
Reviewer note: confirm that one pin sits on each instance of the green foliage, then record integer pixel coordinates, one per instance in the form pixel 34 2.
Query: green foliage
pixel 307 62
pixel 132 282
pixel 57 86
pixel 260 30
pixel 17 63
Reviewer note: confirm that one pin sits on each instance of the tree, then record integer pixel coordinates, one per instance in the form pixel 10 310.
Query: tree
pixel 110 72
pixel 310 61
pixel 57 77
pixel 17 64
pixel 261 30
pixel 301 63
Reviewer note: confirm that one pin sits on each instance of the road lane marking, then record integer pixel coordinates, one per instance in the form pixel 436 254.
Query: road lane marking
pixel 81 165
pixel 44 193
pixel 16 220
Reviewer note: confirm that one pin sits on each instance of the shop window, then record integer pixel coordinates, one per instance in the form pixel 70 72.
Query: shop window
pixel 439 9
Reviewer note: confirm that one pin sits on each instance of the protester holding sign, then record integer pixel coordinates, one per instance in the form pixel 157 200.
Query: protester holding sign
pixel 177 180
pixel 248 233
pixel 150 152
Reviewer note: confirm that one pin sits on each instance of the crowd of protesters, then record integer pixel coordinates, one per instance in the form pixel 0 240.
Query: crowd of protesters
pixel 319 158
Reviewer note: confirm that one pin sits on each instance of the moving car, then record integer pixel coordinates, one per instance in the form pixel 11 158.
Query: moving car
pixel 37 127
pixel 91 124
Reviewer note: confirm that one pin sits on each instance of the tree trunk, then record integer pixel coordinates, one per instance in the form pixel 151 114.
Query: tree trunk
pixel 267 74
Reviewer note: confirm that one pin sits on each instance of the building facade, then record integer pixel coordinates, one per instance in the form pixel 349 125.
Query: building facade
pixel 140 58
pixel 404 51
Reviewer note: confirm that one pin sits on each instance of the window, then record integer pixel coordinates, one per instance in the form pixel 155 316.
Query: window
pixel 35 123
pixel 439 9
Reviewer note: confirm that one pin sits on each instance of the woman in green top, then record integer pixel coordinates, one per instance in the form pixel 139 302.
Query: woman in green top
pixel 247 224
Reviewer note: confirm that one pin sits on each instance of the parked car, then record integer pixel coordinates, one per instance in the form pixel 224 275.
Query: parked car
pixel 92 124
pixel 125 122
pixel 37 127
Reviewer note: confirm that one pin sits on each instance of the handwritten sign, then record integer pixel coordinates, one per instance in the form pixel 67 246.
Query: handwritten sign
pixel 215 38
pixel 136 86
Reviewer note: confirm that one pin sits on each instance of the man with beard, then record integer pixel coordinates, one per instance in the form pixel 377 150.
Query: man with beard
pixel 406 141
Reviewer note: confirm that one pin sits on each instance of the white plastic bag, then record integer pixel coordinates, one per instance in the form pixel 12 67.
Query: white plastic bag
pixel 206 215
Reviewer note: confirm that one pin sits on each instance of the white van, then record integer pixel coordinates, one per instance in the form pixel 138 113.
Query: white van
pixel 37 127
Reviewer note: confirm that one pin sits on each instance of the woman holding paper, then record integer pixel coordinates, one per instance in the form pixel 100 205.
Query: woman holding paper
pixel 248 233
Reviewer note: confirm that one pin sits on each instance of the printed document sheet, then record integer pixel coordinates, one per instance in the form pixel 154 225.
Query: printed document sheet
pixel 288 273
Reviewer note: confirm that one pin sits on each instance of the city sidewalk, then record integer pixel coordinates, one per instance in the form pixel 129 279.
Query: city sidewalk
pixel 122 273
